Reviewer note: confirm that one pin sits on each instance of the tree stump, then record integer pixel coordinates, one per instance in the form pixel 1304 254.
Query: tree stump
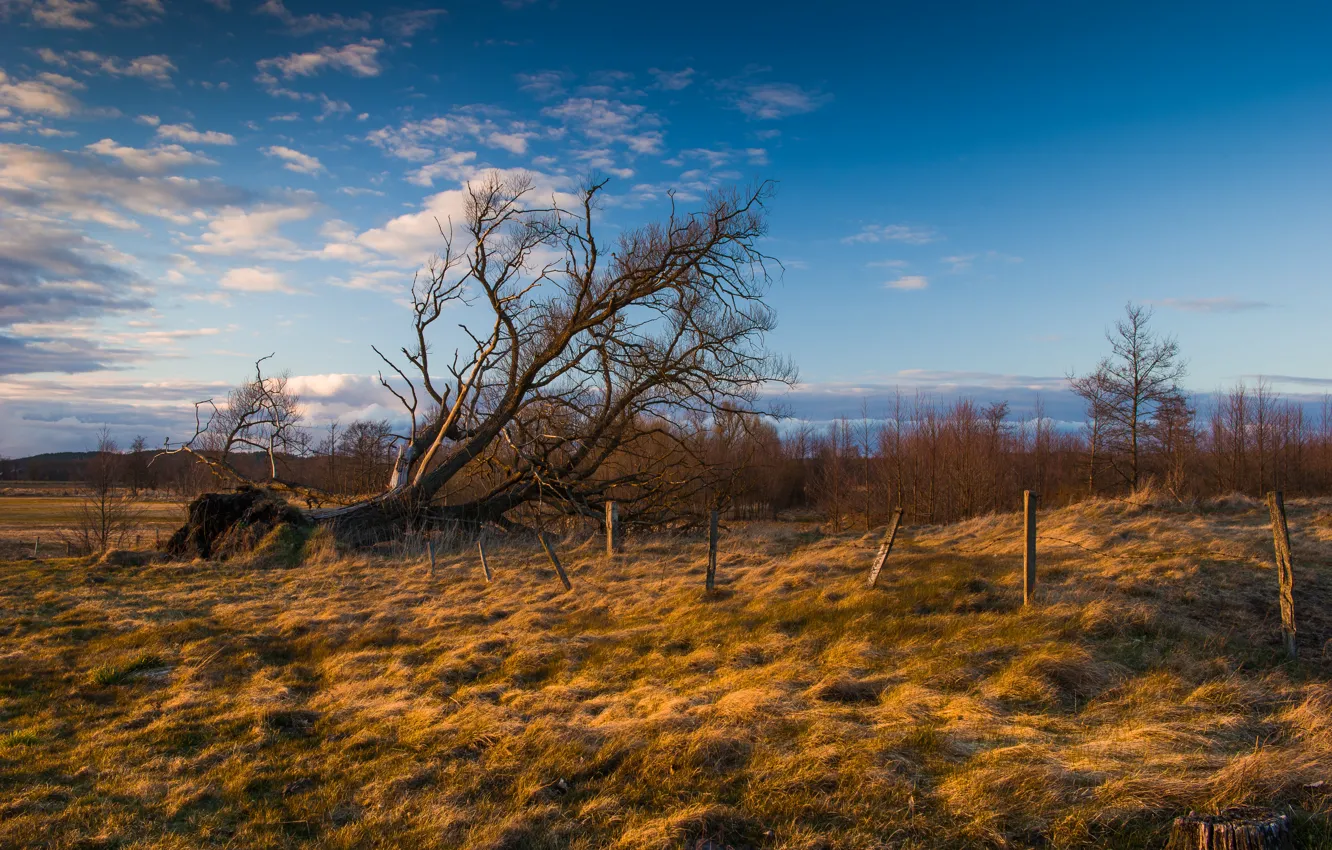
pixel 1234 829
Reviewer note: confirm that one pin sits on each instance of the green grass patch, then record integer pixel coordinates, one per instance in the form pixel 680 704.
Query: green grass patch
pixel 118 673
pixel 19 738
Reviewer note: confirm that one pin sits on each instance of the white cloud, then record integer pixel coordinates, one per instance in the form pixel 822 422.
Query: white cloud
pixel 150 120
pixel 236 230
pixel 714 158
pixel 50 272
pixel 408 24
pixel 600 159
pixel 454 165
pixel 9 123
pixel 909 282
pixel 769 101
pixel 356 191
pixel 893 233
pixel 414 140
pixel 294 160
pixel 410 239
pixel 1223 304
pixel 186 133
pixel 672 80
pixel 306 24
pixel 543 85
pixel 610 122
pixel 183 267
pixel 959 263
pixel 155 68
pixel 81 188
pixel 155 160
pixel 46 95
pixel 139 12
pixel 388 281
pixel 360 59
pixel 63 14
pixel 515 143
pixel 255 279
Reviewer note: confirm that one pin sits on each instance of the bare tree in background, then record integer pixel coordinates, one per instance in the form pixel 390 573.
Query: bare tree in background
pixel 261 415
pixel 107 514
pixel 994 415
pixel 866 438
pixel 328 450
pixel 1129 386
pixel 833 471
pixel 367 449
pixel 1174 432
pixel 137 473
pixel 1094 392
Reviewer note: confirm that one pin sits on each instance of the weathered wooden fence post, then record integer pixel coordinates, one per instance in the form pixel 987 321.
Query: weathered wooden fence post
pixel 1029 500
pixel 885 548
pixel 34 546
pixel 430 547
pixel 614 534
pixel 1285 569
pixel 711 582
pixel 485 565
pixel 550 553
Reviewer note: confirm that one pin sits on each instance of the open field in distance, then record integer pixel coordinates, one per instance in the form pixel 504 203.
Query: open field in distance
pixel 50 520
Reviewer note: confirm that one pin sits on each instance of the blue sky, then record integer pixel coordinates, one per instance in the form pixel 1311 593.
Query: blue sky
pixel 968 192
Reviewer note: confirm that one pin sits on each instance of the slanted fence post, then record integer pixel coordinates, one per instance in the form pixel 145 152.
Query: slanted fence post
pixel 34 546
pixel 614 534
pixel 1285 569
pixel 1029 501
pixel 713 520
pixel 485 565
pixel 550 553
pixel 885 548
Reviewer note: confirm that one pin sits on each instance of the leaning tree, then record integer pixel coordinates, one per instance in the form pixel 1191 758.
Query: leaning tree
pixel 590 372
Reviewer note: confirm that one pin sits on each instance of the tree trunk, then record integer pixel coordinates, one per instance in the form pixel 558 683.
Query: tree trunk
pixel 1232 830
pixel 388 515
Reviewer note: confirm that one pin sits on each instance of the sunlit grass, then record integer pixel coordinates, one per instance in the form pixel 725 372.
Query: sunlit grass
pixel 350 701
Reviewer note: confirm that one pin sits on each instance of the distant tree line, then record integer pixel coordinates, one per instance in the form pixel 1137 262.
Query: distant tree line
pixel 941 461
pixel 937 460
pixel 945 461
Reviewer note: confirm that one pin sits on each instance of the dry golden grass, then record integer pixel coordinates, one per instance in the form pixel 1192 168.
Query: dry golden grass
pixel 356 702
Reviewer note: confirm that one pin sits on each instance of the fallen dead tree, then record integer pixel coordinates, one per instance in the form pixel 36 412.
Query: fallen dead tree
pixel 584 385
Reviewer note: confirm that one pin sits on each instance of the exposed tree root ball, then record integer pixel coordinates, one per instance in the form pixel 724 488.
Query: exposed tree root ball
pixel 223 525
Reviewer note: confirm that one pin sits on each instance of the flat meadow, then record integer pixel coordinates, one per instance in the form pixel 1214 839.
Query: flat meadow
pixel 336 699
pixel 49 514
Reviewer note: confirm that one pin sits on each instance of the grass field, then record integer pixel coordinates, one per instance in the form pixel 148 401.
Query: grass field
pixel 356 702
pixel 49 519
